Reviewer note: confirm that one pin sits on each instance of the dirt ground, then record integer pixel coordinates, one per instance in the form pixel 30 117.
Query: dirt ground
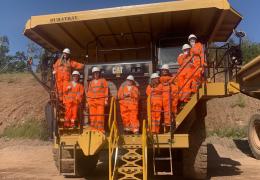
pixel 21 99
pixel 32 159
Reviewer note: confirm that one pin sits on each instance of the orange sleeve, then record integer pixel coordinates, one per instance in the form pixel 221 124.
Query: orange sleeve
pixel 120 93
pixel 106 88
pixel 65 87
pixel 135 93
pixel 76 65
pixel 55 65
pixel 88 90
pixel 180 59
pixel 148 90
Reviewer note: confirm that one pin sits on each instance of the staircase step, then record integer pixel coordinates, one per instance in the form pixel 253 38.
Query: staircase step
pixel 132 140
pixel 132 146
pixel 131 157
pixel 130 170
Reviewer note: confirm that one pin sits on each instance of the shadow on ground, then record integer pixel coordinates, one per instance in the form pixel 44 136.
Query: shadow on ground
pixel 243 146
pixel 221 166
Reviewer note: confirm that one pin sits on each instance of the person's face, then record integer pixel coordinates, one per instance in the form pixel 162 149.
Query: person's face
pixel 75 78
pixel 155 81
pixel 65 56
pixel 186 51
pixel 129 82
pixel 192 41
pixel 164 72
pixel 96 75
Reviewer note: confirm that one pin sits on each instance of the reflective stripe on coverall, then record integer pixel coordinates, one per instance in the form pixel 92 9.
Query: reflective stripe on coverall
pixel 72 100
pixel 97 94
pixel 156 100
pixel 184 77
pixel 197 54
pixel 63 72
pixel 129 107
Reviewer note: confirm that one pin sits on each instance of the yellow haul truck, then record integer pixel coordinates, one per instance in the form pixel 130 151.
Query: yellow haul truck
pixel 249 80
pixel 137 40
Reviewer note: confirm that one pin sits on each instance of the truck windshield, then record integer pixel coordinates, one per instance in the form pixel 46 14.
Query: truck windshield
pixel 168 55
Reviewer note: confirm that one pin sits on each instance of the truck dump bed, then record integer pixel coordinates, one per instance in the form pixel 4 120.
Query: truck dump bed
pixel 210 20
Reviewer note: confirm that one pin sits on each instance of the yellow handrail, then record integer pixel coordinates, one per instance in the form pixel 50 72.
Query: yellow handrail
pixel 113 141
pixel 112 106
pixel 149 112
pixel 144 150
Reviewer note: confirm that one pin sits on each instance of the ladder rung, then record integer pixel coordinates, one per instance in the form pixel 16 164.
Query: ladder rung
pixel 164 173
pixel 162 158
pixel 68 174
pixel 67 159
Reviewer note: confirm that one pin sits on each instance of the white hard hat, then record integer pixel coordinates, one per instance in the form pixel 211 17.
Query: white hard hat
pixel 95 69
pixel 76 73
pixel 155 75
pixel 186 46
pixel 66 50
pixel 192 36
pixel 130 77
pixel 165 66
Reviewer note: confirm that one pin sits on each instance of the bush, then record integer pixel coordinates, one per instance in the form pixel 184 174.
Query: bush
pixel 31 129
pixel 230 132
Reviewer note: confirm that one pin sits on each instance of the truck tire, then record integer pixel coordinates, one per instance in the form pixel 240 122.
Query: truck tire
pixel 195 157
pixel 254 135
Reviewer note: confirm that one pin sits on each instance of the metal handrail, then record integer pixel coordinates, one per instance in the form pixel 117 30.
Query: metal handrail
pixel 144 150
pixel 113 146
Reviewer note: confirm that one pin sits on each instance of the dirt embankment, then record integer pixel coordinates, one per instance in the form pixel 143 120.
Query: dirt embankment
pixel 21 99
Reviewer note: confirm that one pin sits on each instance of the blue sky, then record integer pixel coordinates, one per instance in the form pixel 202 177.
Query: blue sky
pixel 14 14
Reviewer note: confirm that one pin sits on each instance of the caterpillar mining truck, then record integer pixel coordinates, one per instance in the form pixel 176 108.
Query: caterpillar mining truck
pixel 137 40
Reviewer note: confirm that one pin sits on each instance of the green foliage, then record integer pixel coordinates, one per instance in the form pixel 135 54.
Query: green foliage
pixel 230 132
pixel 250 50
pixel 240 102
pixel 31 129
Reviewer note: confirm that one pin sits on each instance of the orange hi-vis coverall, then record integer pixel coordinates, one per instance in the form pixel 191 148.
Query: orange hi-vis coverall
pixel 166 83
pixel 128 100
pixel 185 77
pixel 156 101
pixel 73 93
pixel 175 96
pixel 97 95
pixel 63 72
pixel 198 58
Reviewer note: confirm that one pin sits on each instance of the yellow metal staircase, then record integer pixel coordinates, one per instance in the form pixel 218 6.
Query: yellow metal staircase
pixel 127 155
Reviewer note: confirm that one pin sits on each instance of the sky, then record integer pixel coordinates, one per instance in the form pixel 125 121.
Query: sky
pixel 15 13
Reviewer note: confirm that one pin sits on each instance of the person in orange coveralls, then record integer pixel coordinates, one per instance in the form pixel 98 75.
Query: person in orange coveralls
pixel 128 95
pixel 155 91
pixel 198 58
pixel 73 93
pixel 97 99
pixel 185 73
pixel 165 80
pixel 62 70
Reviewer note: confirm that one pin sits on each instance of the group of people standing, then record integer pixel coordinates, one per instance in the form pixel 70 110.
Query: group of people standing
pixel 166 91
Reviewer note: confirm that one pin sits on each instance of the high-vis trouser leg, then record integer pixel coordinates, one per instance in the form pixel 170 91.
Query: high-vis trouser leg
pixel 156 109
pixel 96 112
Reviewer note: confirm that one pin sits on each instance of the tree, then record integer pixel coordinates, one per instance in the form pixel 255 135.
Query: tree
pixel 250 50
pixel 4 49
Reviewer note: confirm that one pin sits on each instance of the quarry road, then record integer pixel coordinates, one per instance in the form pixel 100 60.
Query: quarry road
pixel 32 159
